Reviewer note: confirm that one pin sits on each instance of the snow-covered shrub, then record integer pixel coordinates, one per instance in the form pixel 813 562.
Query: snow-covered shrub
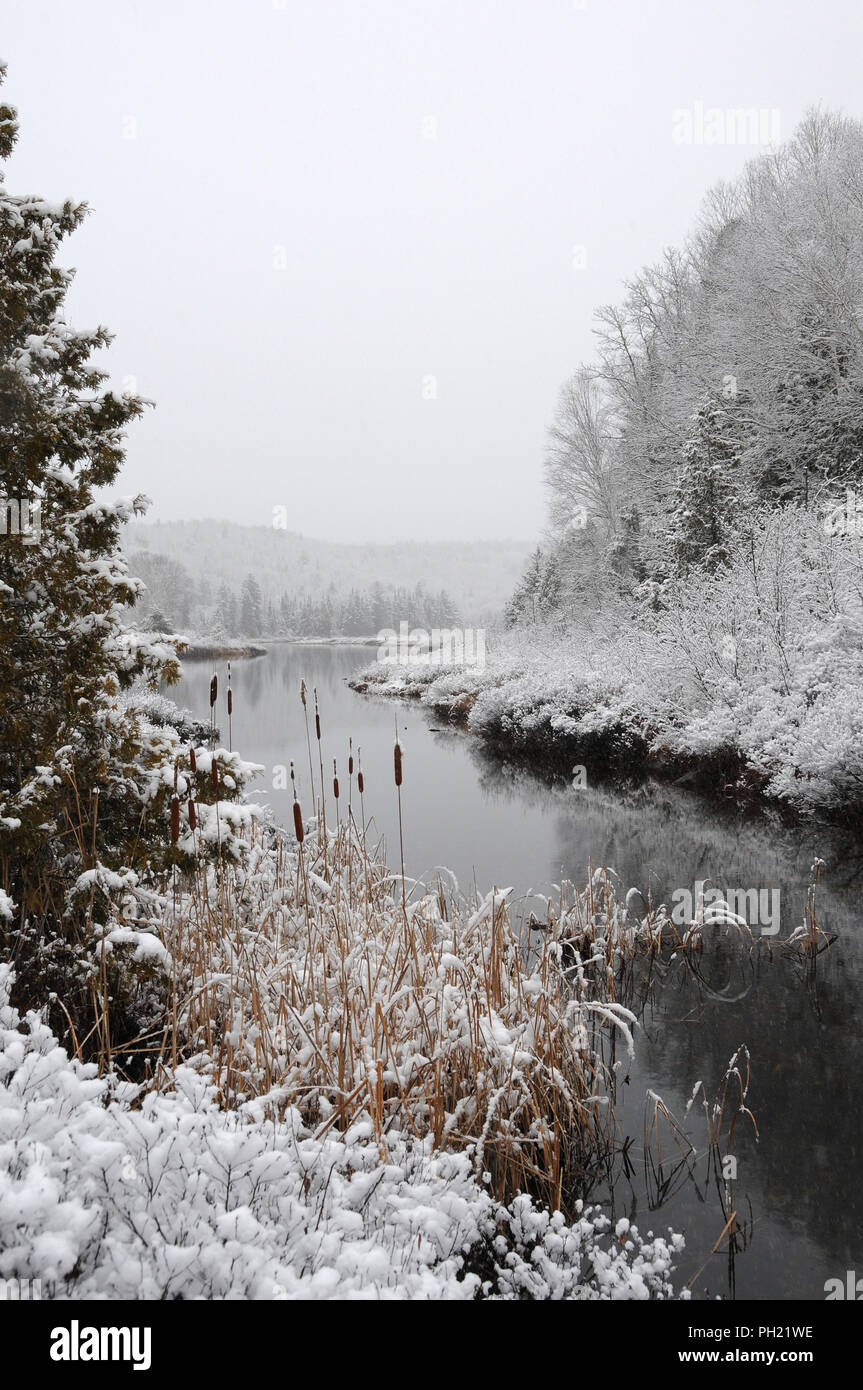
pixel 109 1193
pixel 160 712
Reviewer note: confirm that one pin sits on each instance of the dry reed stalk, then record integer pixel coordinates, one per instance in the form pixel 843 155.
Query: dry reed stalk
pixel 321 763
pixel 308 740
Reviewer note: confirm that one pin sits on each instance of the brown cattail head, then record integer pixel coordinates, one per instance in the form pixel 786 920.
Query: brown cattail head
pixel 193 815
pixel 350 757
pixel 335 780
pixel 317 718
pixel 193 761
pixel 230 701
pixel 298 823
pixel 303 693
pixel 397 763
pixel 175 819
pixel 360 782
pixel 214 773
pixel 214 689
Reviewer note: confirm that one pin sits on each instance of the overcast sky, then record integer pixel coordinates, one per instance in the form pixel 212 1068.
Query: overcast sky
pixel 352 249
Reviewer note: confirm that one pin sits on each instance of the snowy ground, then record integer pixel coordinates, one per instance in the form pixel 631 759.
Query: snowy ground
pixel 105 1194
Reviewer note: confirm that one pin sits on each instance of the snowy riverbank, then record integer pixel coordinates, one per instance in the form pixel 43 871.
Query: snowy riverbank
pixel 751 682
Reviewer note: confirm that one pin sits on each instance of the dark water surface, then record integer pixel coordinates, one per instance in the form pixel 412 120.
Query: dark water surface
pixel 798 1189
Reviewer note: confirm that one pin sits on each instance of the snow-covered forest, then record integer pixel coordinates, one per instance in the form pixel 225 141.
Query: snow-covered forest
pixel 698 602
pixel 198 581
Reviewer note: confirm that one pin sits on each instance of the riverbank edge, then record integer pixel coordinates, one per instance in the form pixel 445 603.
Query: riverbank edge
pixel 202 651
pixel 619 752
pixel 228 651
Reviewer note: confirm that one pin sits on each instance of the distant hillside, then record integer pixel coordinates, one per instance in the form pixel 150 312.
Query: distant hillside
pixel 222 579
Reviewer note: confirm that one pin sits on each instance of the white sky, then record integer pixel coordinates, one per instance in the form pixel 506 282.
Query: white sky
pixel 304 126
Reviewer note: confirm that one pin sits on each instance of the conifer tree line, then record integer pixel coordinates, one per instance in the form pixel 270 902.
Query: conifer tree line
pixel 728 384
pixel 175 602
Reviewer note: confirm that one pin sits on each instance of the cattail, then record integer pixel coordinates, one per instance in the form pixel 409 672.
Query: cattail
pixel 193 761
pixel 361 789
pixel 298 815
pixel 214 689
pixel 335 780
pixel 193 816
pixel 317 719
pixel 230 702
pixel 175 819
pixel 214 772
pixel 397 765
pixel 303 693
pixel 350 757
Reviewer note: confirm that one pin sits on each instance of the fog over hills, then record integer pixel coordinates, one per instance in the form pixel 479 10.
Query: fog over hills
pixel 198 572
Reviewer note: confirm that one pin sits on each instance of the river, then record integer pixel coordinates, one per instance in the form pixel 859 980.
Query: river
pixel 798 1188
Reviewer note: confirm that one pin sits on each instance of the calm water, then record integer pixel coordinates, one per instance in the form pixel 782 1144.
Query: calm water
pixel 798 1188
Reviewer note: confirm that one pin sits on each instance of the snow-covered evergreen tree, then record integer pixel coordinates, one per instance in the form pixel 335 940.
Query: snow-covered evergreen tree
pixel 84 786
pixel 251 607
pixel 538 593
pixel 706 503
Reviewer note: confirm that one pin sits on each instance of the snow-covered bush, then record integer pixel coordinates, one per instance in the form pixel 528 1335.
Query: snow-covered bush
pixel 109 1193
